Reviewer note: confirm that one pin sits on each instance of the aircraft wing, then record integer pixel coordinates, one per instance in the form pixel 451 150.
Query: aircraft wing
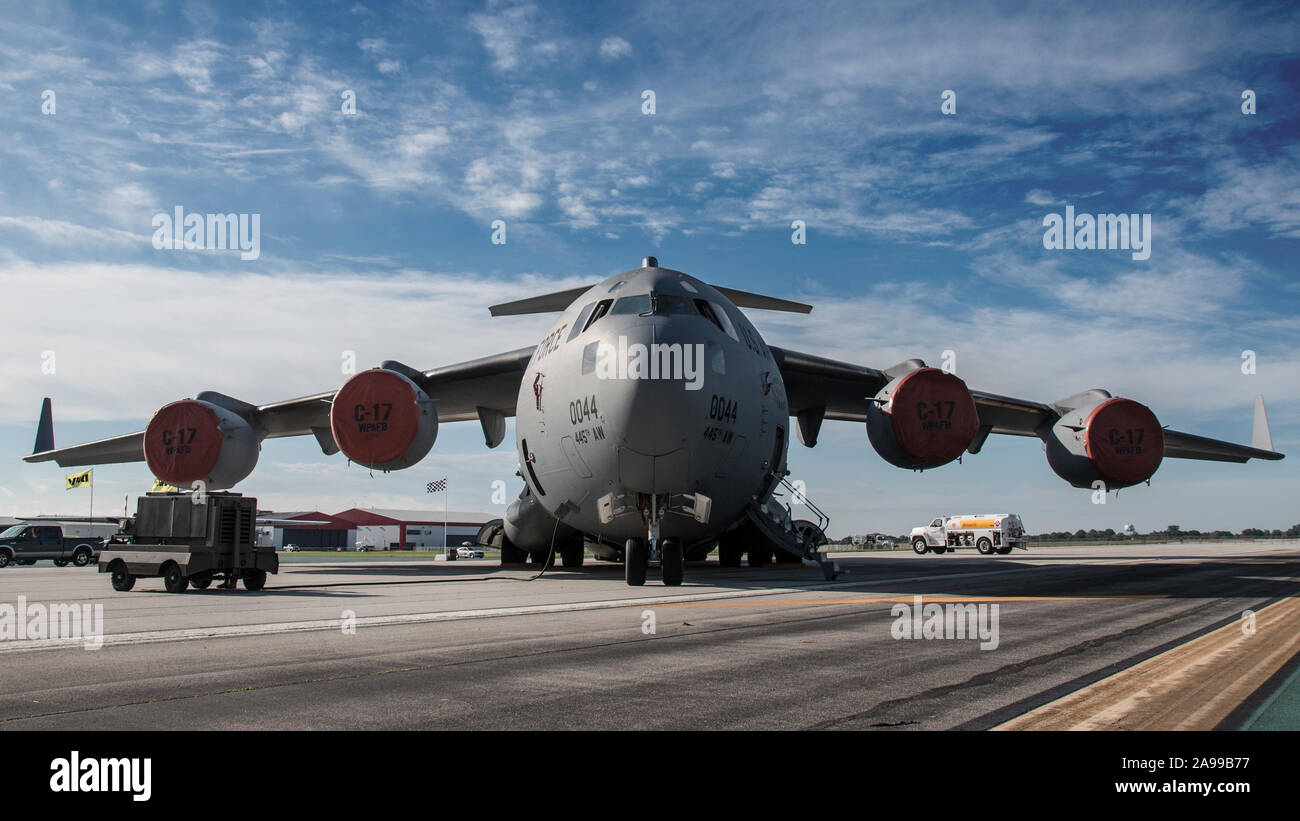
pixel 844 389
pixel 476 389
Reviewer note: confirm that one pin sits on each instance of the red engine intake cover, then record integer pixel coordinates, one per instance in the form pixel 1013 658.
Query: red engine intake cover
pixel 375 417
pixel 182 442
pixel 1124 440
pixel 933 415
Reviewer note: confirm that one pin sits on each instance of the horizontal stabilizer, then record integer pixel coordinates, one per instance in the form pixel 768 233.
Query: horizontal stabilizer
pixel 544 304
pixel 745 299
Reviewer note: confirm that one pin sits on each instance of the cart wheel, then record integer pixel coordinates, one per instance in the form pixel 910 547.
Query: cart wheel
pixel 174 580
pixel 254 580
pixel 122 580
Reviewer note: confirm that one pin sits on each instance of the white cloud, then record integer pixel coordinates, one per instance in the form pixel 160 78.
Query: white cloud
pixel 193 62
pixel 72 235
pixel 613 48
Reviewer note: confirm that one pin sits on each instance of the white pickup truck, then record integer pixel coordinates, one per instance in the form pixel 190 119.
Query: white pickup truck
pixel 986 532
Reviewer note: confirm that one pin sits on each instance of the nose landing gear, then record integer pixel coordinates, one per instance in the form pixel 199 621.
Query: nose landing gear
pixel 638 555
pixel 635 559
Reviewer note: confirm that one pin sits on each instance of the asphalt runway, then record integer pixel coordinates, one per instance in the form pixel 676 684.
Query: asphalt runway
pixel 1140 636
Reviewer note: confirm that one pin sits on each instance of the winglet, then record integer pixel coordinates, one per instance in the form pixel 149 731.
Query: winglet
pixel 44 429
pixel 1260 436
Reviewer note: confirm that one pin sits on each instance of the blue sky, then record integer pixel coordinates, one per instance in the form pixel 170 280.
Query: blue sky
pixel 924 230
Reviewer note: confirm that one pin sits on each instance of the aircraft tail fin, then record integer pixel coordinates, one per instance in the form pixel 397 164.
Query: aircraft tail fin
pixel 1261 437
pixel 44 429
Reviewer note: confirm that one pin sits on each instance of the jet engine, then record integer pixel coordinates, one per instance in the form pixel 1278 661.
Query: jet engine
pixel 383 420
pixel 922 419
pixel 1117 441
pixel 194 441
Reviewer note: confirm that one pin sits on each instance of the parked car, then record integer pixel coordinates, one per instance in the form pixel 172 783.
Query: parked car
pixel 291 548
pixel 468 553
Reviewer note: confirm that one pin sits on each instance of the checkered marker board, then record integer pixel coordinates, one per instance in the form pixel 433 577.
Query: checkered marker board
pixel 436 487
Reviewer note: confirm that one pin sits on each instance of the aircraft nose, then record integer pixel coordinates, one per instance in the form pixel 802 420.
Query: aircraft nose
pixel 646 385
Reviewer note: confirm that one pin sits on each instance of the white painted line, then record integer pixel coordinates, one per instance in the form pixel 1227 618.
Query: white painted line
pixel 234 631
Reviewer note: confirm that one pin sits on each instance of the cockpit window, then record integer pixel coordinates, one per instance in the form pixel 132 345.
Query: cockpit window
pixel 643 305
pixel 639 304
pixel 673 304
pixel 715 314
pixel 602 308
pixel 580 324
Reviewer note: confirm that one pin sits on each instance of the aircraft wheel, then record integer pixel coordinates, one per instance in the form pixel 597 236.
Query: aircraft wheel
pixel 672 560
pixel 635 557
pixel 759 558
pixel 919 547
pixel 511 554
pixel 729 555
pixel 786 557
pixel 174 580
pixel 572 556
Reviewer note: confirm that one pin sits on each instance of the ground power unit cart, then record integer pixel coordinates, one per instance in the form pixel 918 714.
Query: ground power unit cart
pixel 190 539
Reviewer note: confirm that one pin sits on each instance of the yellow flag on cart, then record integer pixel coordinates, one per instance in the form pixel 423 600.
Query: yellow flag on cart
pixel 79 479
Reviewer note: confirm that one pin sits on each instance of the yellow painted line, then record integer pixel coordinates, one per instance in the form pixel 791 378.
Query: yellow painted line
pixel 903 600
pixel 1191 687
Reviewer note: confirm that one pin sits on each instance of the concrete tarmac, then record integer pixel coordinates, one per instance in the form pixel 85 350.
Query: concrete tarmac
pixel 377 644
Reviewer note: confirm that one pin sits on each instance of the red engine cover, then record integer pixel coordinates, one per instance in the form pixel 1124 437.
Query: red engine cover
pixel 1124 440
pixel 375 418
pixel 182 442
pixel 933 415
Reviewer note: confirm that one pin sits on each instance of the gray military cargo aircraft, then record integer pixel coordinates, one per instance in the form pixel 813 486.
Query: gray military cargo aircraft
pixel 652 424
